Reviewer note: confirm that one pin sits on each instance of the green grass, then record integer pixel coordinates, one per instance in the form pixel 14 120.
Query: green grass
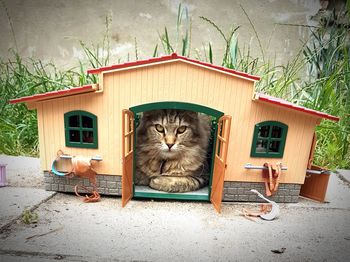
pixel 318 77
pixel 23 77
pixel 326 87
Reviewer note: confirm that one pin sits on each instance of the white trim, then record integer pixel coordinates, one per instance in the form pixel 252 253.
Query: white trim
pixel 134 67
pixel 220 71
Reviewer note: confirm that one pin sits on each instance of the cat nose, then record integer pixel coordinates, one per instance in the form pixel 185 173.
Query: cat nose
pixel 170 145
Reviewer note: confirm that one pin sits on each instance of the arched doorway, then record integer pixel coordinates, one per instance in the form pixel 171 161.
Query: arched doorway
pixel 220 126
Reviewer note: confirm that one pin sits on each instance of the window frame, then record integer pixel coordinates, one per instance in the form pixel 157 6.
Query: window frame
pixel 80 128
pixel 282 139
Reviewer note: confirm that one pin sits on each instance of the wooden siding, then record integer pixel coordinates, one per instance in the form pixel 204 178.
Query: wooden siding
pixel 177 81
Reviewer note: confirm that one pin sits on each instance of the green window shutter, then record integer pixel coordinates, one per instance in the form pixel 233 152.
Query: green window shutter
pixel 269 139
pixel 81 129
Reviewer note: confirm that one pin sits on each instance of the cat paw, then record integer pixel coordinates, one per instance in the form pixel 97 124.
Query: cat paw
pixel 163 184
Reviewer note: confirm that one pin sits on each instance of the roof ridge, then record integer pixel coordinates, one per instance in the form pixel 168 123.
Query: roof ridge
pixel 173 56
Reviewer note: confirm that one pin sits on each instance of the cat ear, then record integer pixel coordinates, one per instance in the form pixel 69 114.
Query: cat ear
pixel 192 115
pixel 149 115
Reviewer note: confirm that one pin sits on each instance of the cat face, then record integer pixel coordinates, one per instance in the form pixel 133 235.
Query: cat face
pixel 171 132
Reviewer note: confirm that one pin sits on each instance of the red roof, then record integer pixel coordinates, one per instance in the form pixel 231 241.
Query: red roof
pixel 171 57
pixel 284 103
pixel 55 94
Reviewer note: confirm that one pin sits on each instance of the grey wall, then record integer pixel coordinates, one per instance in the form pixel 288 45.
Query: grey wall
pixel 51 30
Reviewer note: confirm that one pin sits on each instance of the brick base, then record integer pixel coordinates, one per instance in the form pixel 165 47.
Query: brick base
pixel 106 184
pixel 240 191
pixel 233 191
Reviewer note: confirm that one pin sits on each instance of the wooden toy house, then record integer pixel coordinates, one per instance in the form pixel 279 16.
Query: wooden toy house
pixel 249 129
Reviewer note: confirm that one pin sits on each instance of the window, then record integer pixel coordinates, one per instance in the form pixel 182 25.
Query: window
pixel 80 129
pixel 269 139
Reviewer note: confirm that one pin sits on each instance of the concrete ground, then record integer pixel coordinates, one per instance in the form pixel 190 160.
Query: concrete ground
pixel 71 230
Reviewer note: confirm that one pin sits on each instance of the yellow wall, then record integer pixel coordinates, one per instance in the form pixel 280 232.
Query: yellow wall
pixel 177 81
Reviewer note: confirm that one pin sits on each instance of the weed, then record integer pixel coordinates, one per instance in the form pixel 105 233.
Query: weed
pixel 29 217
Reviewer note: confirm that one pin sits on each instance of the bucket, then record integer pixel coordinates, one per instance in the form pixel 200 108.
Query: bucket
pixel 2 175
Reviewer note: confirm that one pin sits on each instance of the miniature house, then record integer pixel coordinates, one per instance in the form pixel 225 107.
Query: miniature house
pixel 250 128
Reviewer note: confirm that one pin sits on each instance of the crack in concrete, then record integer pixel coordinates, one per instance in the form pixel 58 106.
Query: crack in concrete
pixel 64 257
pixel 19 253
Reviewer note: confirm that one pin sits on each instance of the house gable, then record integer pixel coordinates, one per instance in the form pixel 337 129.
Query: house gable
pixel 169 59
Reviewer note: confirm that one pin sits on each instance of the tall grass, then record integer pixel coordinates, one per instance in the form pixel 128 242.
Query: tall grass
pixel 327 88
pixel 19 77
pixel 182 42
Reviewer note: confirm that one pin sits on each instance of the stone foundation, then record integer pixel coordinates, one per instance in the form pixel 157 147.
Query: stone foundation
pixel 239 191
pixel 233 191
pixel 106 184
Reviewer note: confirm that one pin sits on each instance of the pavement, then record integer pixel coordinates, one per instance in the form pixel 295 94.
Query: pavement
pixel 70 230
pixel 16 199
pixel 338 191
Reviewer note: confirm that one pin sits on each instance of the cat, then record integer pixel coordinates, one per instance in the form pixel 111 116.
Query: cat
pixel 171 150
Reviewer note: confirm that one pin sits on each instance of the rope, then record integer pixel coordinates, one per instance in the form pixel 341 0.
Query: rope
pixel 264 209
pixel 273 180
pixel 94 197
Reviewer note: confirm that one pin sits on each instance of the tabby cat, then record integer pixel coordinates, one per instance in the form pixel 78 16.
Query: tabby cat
pixel 171 151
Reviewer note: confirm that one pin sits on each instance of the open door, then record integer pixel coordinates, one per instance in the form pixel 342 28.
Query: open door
pixel 127 155
pixel 315 185
pixel 222 140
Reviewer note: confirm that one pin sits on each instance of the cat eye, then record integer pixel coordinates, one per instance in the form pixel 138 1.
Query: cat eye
pixel 181 129
pixel 160 128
